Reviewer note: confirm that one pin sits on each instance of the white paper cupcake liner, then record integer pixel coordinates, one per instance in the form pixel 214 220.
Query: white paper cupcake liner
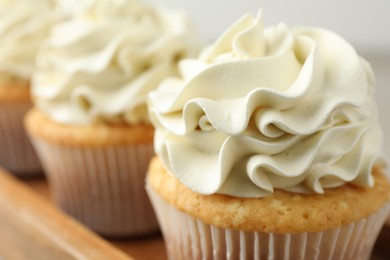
pixel 101 187
pixel 189 238
pixel 16 152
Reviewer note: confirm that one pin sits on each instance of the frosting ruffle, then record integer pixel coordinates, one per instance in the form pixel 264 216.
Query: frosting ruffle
pixel 113 54
pixel 24 24
pixel 264 109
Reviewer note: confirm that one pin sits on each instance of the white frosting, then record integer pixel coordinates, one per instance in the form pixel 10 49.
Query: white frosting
pixel 265 109
pixel 101 64
pixel 24 24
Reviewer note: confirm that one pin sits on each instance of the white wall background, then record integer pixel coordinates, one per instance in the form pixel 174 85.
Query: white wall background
pixel 364 23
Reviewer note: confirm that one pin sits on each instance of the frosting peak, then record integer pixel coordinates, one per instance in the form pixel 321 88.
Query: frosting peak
pixel 113 54
pixel 24 24
pixel 261 109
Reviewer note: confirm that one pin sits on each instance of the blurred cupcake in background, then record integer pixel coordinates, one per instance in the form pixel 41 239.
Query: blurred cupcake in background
pixel 24 24
pixel 269 147
pixel 90 123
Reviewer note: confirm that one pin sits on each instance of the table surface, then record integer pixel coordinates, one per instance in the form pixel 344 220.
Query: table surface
pixel 151 247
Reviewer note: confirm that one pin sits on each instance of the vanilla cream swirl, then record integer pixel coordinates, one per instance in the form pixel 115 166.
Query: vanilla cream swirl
pixel 100 65
pixel 265 109
pixel 24 24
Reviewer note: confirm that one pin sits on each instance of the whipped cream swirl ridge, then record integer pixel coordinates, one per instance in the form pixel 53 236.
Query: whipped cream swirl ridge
pixel 24 24
pixel 100 65
pixel 269 108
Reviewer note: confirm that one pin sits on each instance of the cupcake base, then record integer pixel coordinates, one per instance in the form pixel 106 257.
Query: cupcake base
pixel 102 187
pixel 342 223
pixel 16 152
pixel 189 238
pixel 99 181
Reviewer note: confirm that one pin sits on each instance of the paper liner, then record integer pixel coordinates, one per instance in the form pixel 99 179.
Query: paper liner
pixel 16 152
pixel 189 238
pixel 101 187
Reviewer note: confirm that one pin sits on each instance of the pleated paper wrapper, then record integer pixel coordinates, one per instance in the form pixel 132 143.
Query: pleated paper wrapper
pixel 189 238
pixel 101 187
pixel 16 152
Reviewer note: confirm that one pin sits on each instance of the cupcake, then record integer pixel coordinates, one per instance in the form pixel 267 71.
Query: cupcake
pixel 268 147
pixel 90 123
pixel 24 25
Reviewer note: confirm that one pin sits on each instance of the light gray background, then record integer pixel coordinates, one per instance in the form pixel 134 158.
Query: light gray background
pixel 366 24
